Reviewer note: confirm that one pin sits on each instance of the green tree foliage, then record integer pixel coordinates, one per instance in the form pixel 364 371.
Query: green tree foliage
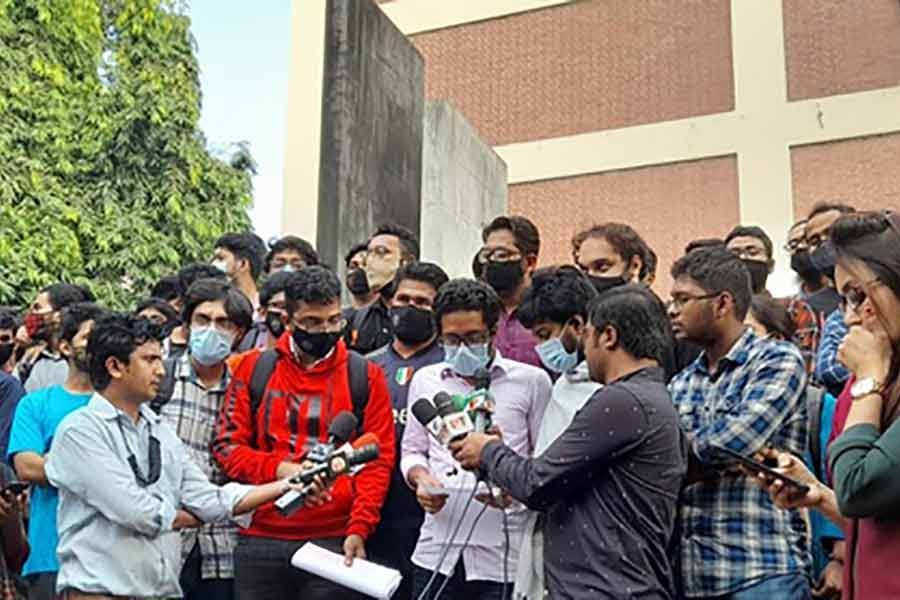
pixel 105 178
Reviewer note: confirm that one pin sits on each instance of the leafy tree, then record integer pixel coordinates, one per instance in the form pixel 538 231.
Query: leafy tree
pixel 105 178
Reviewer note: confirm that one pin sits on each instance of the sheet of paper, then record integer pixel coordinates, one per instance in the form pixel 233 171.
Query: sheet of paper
pixel 364 577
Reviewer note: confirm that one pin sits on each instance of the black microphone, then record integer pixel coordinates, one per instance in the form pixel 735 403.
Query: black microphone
pixel 481 403
pixel 426 414
pixel 457 423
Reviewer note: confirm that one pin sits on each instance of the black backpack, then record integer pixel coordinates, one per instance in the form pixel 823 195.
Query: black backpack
pixel 357 374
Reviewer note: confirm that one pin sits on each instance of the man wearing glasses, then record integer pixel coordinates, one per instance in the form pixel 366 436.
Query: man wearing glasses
pixel 126 484
pixel 467 313
pixel 744 393
pixel 309 382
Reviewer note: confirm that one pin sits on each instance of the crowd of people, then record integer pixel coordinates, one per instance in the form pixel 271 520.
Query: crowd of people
pixel 146 449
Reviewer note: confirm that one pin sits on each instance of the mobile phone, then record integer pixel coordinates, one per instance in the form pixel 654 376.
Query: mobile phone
pixel 758 467
pixel 14 488
pixel 432 490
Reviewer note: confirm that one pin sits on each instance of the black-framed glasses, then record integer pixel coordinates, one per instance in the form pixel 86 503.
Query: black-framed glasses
pixel 681 301
pixel 154 459
pixel 471 339
pixel 855 297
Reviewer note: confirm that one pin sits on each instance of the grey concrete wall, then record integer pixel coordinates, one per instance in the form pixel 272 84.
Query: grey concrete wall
pixel 463 188
pixel 371 145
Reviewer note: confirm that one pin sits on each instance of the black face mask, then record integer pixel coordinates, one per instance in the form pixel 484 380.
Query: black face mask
pixel 759 273
pixel 824 258
pixel 504 277
pixel 317 345
pixel 802 265
pixel 603 284
pixel 412 325
pixel 357 283
pixel 274 324
pixel 6 351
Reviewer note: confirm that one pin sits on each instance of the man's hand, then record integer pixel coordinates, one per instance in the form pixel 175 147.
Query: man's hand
pixel 467 451
pixel 830 582
pixel 286 469
pixel 185 520
pixel 425 484
pixel 354 547
pixel 316 495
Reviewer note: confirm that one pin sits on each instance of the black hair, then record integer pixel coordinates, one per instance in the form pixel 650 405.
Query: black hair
pixel 294 244
pixel 168 288
pixel 159 305
pixel 116 335
pixel 237 305
pixel 477 266
pixel 873 238
pixel 274 284
pixel 194 271
pixel 824 207
pixel 524 231
pixel 715 269
pixel 703 243
pixel 651 262
pixel 312 285
pixel 245 246
pixel 556 294
pixel 754 232
pixel 409 242
pixel 460 295
pixel 772 315
pixel 63 294
pixel 75 315
pixel 353 251
pixel 425 272
pixel 639 319
pixel 627 243
pixel 10 318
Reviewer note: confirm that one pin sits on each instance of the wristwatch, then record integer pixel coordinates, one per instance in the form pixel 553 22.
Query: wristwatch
pixel 864 387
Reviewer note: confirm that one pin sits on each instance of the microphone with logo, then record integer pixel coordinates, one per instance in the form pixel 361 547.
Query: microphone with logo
pixel 330 462
pixel 480 403
pixel 457 422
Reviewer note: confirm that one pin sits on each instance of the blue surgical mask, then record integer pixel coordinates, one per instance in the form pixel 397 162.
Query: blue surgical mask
pixel 288 268
pixel 465 360
pixel 209 346
pixel 555 356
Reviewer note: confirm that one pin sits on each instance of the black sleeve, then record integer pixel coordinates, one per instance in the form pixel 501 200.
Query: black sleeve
pixel 611 422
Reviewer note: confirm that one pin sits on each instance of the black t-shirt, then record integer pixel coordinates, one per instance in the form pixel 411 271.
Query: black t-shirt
pixel 369 328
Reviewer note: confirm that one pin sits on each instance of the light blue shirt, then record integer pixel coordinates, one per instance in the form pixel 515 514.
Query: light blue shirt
pixel 37 417
pixel 115 536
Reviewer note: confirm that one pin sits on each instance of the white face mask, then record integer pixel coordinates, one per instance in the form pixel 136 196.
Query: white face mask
pixel 221 265
pixel 381 271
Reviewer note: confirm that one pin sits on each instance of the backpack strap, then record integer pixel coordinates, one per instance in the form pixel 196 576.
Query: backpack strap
pixel 262 371
pixel 166 386
pixel 815 397
pixel 358 375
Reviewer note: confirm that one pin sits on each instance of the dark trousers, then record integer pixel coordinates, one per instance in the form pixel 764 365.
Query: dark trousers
pixel 394 548
pixel 458 587
pixel 263 571
pixel 41 586
pixel 196 588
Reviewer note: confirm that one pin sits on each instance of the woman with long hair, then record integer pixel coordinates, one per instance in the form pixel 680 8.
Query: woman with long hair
pixel 865 458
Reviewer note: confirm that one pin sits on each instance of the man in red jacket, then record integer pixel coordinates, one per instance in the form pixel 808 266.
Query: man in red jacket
pixel 259 441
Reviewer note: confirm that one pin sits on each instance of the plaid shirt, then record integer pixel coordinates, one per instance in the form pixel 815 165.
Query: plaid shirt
pixel 192 413
pixel 829 370
pixel 732 533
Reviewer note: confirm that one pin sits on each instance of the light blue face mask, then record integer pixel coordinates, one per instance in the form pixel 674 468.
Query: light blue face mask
pixel 209 346
pixel 555 356
pixel 465 360
pixel 288 268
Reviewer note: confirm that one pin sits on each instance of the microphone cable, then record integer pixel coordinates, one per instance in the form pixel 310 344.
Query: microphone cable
pixel 445 550
pixel 465 543
pixel 505 554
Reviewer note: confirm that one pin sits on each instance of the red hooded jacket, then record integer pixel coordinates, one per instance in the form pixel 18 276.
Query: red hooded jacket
pixel 294 413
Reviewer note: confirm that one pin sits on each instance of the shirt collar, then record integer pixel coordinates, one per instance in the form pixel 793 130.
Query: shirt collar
pixel 105 409
pixel 184 370
pixel 737 355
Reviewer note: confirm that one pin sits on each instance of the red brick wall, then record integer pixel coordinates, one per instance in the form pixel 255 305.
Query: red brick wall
pixel 838 47
pixel 583 67
pixel 669 205
pixel 864 172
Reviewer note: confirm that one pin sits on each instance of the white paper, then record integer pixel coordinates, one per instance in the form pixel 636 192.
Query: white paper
pixel 364 577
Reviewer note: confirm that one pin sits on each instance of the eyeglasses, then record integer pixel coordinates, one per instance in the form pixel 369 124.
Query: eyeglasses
pixel 486 255
pixel 471 339
pixel 154 459
pixel 794 246
pixel 318 326
pixel 855 297
pixel 681 301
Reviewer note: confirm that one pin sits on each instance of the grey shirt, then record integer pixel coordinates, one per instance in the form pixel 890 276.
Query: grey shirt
pixel 115 536
pixel 609 486
pixel 48 370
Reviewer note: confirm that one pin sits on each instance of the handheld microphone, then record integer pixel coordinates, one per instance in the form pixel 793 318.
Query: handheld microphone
pixel 457 423
pixel 340 430
pixel 426 414
pixel 340 462
pixel 480 402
